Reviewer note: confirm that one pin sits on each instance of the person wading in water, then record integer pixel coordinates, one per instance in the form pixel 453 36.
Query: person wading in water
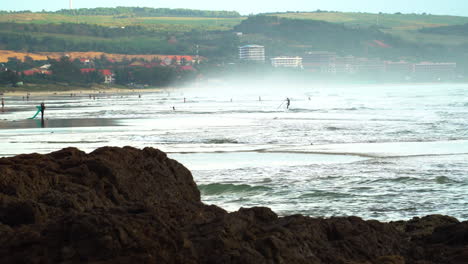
pixel 288 102
pixel 42 113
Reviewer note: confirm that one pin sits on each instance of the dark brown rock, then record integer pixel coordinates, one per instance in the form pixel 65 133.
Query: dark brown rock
pixel 124 205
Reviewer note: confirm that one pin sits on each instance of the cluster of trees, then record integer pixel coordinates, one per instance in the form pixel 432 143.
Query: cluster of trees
pixel 8 77
pixel 69 71
pixel 127 40
pixel 147 12
pixel 283 34
pixel 460 30
pixel 53 43
pixel 80 29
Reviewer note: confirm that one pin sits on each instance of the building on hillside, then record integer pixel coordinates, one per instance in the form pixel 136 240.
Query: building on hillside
pixel 85 61
pixel 318 61
pixel 254 53
pixel 36 71
pixel 108 76
pixel 287 62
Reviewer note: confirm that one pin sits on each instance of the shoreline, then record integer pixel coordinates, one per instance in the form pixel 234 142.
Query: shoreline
pixel 85 91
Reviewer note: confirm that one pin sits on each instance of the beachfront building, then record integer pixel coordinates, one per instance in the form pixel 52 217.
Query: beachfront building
pixel 108 76
pixel 287 62
pixel 254 53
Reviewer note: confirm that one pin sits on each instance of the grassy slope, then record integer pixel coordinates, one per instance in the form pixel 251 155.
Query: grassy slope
pixel 163 23
pixel 405 26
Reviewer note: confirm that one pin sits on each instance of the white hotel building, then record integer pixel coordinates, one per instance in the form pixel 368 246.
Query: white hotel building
pixel 252 53
pixel 287 62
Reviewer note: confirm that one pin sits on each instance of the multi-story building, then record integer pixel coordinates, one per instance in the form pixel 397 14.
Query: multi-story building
pixel 288 62
pixel 252 53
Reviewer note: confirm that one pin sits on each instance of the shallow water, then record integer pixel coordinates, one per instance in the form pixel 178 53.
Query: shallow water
pixel 380 152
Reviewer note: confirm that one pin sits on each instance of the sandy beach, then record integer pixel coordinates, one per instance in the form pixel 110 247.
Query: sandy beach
pixel 110 90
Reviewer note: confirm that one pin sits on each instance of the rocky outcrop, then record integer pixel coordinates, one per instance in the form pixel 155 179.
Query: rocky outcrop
pixel 124 205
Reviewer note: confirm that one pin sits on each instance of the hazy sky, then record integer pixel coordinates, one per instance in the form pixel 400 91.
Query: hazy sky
pixel 451 7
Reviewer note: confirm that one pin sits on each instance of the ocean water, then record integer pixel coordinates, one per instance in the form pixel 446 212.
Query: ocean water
pixel 385 152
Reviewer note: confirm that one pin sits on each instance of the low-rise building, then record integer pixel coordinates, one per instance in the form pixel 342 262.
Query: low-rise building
pixel 287 62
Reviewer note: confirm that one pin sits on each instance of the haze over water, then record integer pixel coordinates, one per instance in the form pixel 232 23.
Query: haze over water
pixel 385 152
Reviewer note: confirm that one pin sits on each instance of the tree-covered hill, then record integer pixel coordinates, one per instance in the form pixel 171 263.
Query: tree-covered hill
pixel 68 37
pixel 293 36
pixel 457 30
pixel 146 12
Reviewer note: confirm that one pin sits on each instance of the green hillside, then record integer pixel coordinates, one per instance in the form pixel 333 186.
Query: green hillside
pixel 161 31
pixel 393 21
pixel 404 26
pixel 155 23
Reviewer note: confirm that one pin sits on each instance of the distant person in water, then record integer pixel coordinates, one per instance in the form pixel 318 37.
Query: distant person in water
pixel 139 95
pixel 42 110
pixel 184 100
pixel 3 104
pixel 288 103
pixel 173 108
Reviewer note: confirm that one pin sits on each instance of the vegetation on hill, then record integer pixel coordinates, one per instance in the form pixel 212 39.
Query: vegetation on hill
pixel 457 30
pixel 147 12
pixel 382 20
pixel 131 30
pixel 294 36
pixel 128 40
pixel 163 24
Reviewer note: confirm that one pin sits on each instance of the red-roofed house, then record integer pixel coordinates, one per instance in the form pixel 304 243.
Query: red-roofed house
pixel 85 61
pixel 36 71
pixel 108 75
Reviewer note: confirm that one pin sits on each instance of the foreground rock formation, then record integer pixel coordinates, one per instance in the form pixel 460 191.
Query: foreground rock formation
pixel 124 205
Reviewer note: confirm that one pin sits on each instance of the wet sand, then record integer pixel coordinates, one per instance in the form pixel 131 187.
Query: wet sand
pixel 83 92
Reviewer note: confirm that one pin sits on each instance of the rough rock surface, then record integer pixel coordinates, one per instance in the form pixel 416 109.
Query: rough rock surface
pixel 124 205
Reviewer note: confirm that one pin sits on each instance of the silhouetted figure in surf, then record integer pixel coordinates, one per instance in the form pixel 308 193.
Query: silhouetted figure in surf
pixel 3 104
pixel 288 103
pixel 184 100
pixel 42 113
pixel 173 108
